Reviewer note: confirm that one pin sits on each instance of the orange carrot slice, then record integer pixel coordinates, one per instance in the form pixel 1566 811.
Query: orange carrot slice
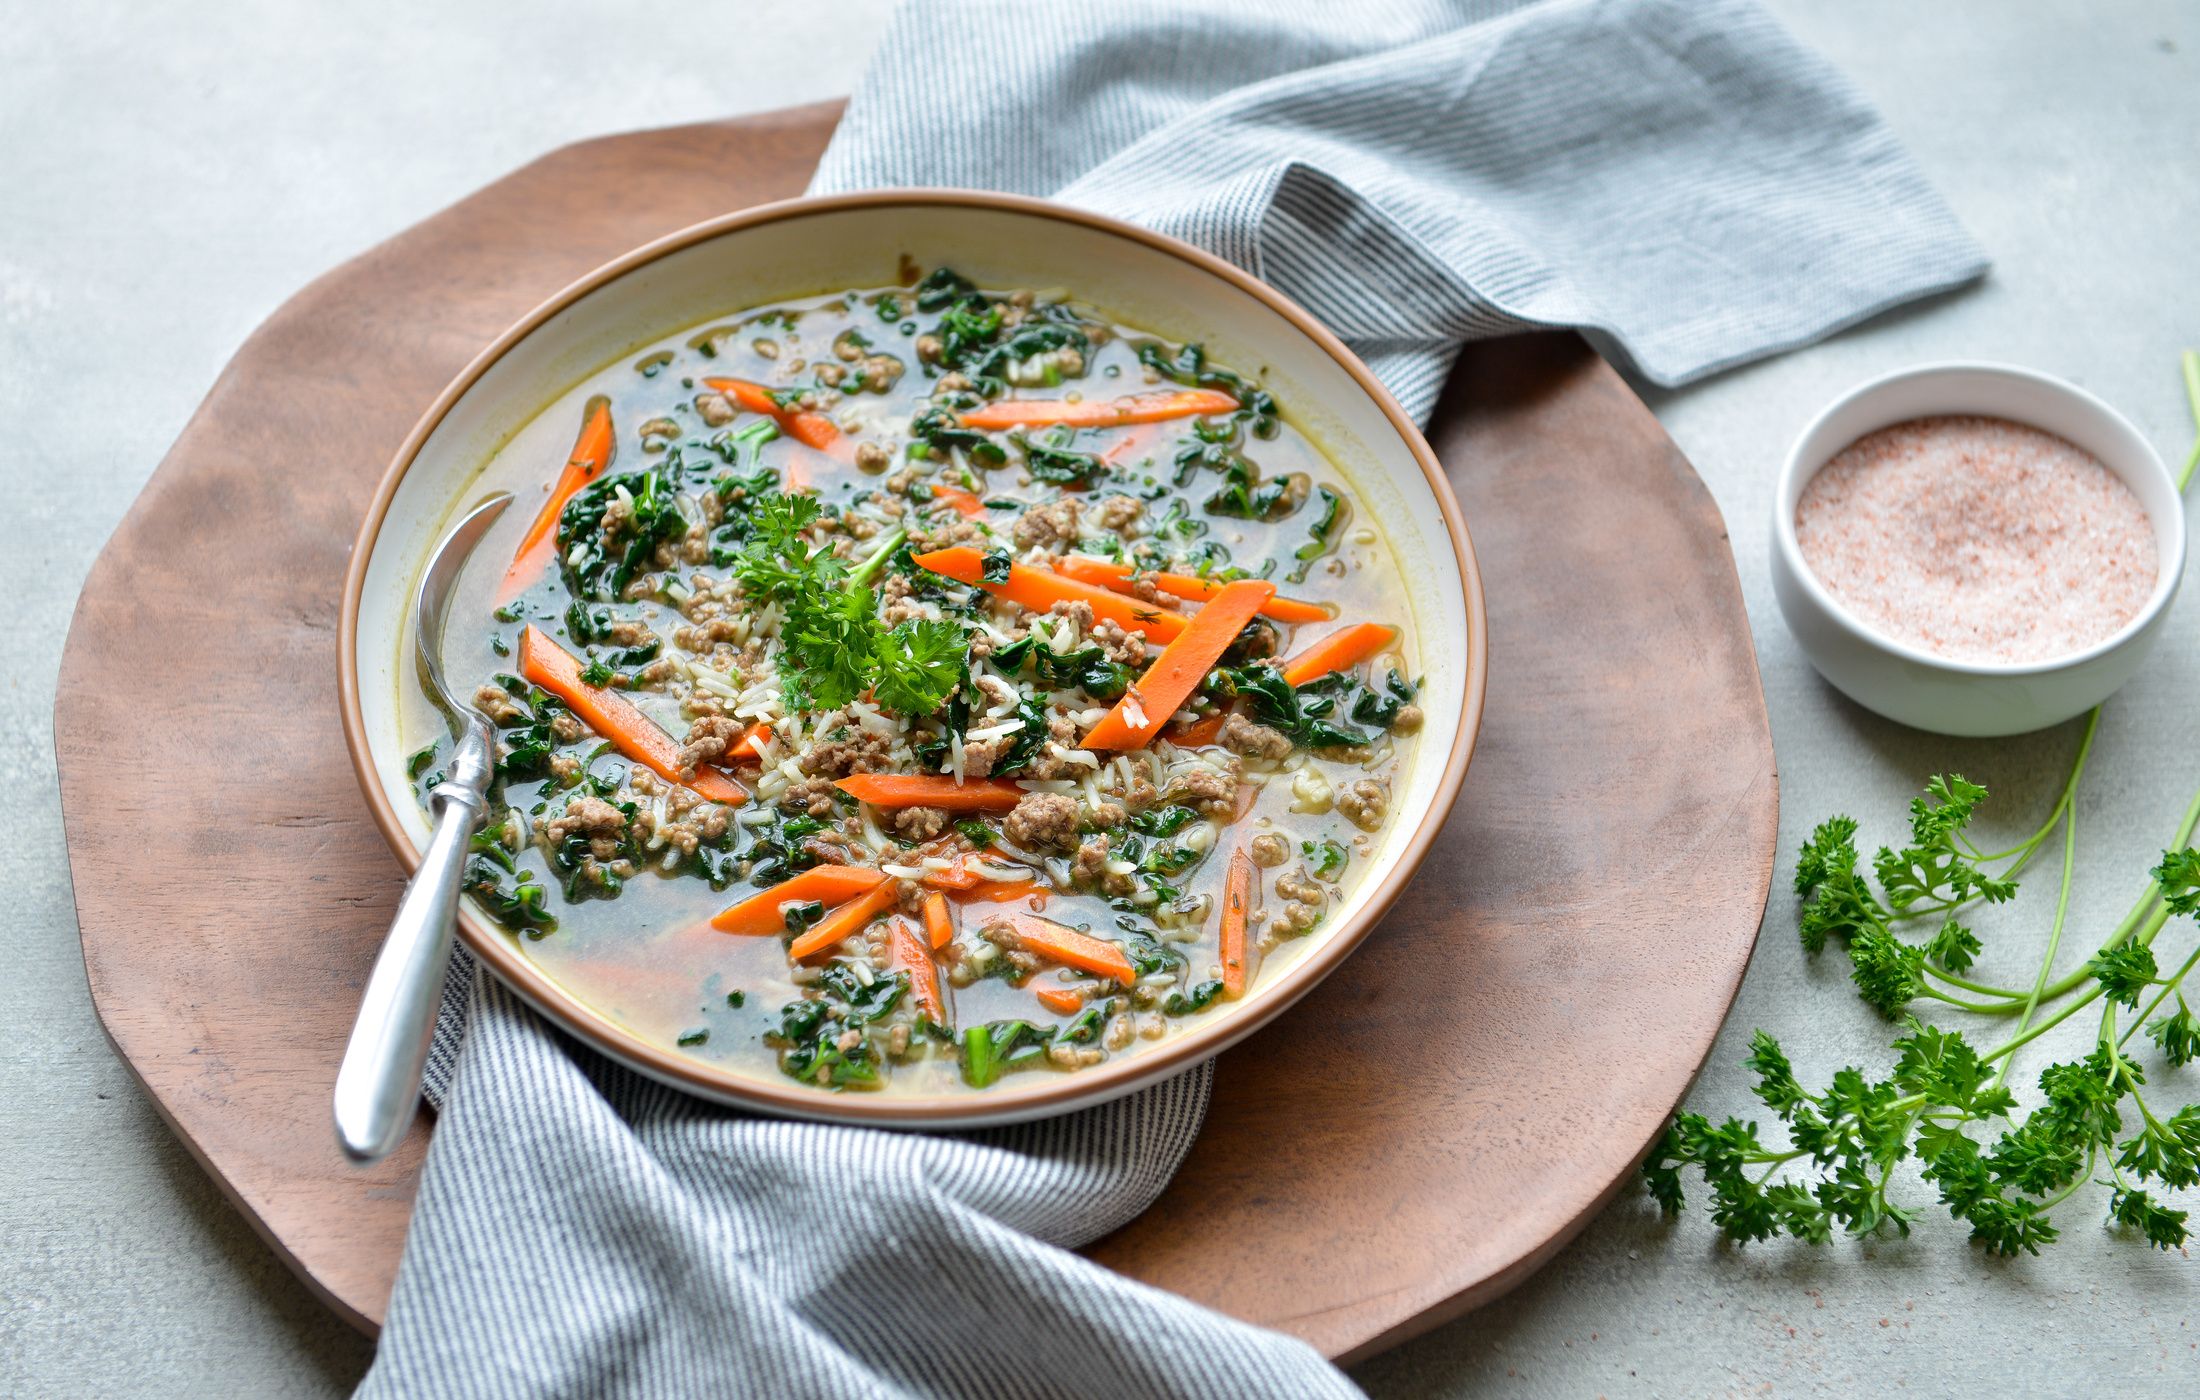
pixel 965 503
pixel 905 952
pixel 610 714
pixel 808 428
pixel 1197 735
pixel 827 933
pixel 1004 892
pixel 939 922
pixel 932 790
pixel 1063 944
pixel 591 454
pixel 1040 589
pixel 1347 646
pixel 1099 413
pixel 1060 1000
pixel 765 912
pixel 956 877
pixel 1237 907
pixel 1182 665
pixel 1107 573
pixel 751 743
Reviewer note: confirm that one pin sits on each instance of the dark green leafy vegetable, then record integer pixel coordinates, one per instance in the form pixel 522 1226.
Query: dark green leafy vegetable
pixel 1163 821
pixel 1189 367
pixel 943 435
pixel 524 744
pixel 1058 464
pixel 1319 533
pixel 1088 668
pixel 810 1030
pixel 1201 997
pixel 520 905
pixel 1302 715
pixel 599 569
pixel 941 288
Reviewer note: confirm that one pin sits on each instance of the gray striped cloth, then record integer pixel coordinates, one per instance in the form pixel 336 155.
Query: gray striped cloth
pixel 1678 179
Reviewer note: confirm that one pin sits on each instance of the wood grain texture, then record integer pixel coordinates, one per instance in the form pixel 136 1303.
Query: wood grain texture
pixel 1412 1139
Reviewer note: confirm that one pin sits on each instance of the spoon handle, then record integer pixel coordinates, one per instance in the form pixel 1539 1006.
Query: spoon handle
pixel 378 1086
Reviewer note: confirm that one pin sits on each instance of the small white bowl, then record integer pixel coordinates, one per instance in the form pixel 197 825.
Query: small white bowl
pixel 1974 699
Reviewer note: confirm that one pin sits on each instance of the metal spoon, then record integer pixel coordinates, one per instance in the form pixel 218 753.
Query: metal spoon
pixel 378 1086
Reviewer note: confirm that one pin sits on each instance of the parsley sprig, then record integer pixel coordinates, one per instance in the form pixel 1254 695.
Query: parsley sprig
pixel 834 647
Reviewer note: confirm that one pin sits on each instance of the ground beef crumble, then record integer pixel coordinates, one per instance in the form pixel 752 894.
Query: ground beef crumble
pixel 1212 791
pixel 920 823
pixel 1052 527
pixel 707 741
pixel 592 817
pixel 1240 735
pixel 1043 821
pixel 1091 869
pixel 500 707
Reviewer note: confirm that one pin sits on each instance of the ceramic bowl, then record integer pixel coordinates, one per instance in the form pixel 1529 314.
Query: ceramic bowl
pixel 1972 698
pixel 810 246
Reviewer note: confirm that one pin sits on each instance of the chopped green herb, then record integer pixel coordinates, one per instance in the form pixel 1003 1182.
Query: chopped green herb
pixel 1326 858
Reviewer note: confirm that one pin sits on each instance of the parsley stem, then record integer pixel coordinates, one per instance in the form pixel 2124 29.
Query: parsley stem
pixel 2010 1047
pixel 2063 803
pixel 2190 362
pixel 2062 900
pixel 863 573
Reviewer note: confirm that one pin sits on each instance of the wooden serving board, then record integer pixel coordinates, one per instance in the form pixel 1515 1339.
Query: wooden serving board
pixel 1412 1139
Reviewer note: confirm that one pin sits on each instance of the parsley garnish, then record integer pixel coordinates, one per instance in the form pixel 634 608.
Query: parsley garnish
pixel 834 646
pixel 1998 1170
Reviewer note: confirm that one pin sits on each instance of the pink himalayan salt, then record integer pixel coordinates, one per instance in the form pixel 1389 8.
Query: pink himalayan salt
pixel 1978 539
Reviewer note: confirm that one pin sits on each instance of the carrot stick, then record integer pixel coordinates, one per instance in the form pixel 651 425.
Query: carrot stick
pixel 751 743
pixel 610 714
pixel 1065 945
pixel 1237 906
pixel 1004 892
pixel 1130 444
pixel 591 454
pixel 965 503
pixel 1198 735
pixel 939 923
pixel 1182 665
pixel 1097 413
pixel 1347 646
pixel 955 877
pixel 1060 1000
pixel 905 952
pixel 1040 589
pixel 827 932
pixel 808 428
pixel 932 790
pixel 765 912
pixel 1107 573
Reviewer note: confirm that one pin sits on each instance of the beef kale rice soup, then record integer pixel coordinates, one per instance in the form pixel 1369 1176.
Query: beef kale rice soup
pixel 921 687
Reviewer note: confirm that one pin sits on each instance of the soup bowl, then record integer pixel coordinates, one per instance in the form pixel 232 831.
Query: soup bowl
pixel 810 246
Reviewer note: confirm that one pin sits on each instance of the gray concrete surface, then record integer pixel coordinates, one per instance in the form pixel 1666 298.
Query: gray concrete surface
pixel 173 171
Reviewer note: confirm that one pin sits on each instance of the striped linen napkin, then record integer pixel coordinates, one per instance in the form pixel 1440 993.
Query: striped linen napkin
pixel 1676 178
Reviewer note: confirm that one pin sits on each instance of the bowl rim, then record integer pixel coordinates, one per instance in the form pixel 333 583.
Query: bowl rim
pixel 1794 476
pixel 1068 1092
